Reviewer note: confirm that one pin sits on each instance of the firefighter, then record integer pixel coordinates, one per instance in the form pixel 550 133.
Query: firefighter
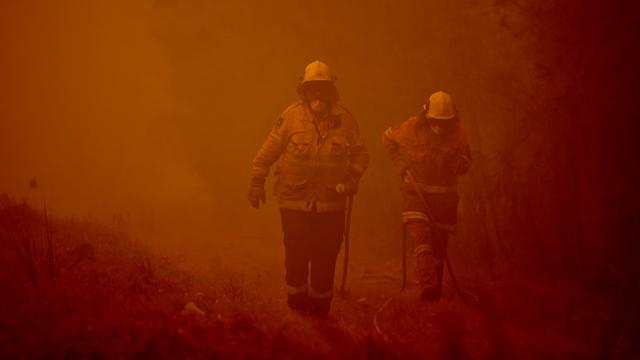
pixel 430 151
pixel 321 158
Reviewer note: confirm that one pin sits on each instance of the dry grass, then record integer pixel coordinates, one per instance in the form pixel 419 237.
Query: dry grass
pixel 76 289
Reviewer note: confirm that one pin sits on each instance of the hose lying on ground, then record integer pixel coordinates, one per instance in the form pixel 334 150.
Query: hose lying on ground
pixel 376 324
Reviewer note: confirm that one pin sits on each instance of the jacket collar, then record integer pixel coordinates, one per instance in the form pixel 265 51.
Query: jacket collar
pixel 335 114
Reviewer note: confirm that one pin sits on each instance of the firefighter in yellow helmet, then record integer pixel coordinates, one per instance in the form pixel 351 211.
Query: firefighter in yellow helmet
pixel 430 151
pixel 321 158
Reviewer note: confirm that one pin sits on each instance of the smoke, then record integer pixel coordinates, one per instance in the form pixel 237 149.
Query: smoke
pixel 154 109
pixel 89 111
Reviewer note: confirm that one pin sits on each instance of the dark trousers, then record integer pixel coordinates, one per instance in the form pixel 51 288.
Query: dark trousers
pixel 312 242
pixel 430 242
pixel 430 248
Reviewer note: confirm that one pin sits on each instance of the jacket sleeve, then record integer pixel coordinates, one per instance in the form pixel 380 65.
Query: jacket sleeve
pixel 460 161
pixel 270 151
pixel 358 152
pixel 392 147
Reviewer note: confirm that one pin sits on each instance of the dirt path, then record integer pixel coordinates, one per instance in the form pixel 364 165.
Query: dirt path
pixel 249 274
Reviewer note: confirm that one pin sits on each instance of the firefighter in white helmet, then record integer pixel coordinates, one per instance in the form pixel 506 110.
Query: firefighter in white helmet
pixel 430 151
pixel 321 158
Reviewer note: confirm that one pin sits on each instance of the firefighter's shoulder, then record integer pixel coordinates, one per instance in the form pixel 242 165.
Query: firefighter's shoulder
pixel 289 112
pixel 340 109
pixel 400 130
pixel 406 125
pixel 293 108
pixel 411 121
pixel 344 115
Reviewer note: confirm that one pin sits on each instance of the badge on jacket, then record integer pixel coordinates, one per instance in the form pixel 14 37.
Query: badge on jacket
pixel 278 123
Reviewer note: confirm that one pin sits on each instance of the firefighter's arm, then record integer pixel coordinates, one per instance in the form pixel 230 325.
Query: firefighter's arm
pixel 460 161
pixel 270 150
pixel 266 156
pixel 392 147
pixel 358 157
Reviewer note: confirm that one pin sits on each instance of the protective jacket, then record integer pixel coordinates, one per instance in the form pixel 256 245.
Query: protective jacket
pixel 311 165
pixel 435 161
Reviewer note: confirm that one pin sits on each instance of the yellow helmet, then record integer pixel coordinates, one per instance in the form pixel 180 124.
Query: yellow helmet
pixel 440 106
pixel 317 71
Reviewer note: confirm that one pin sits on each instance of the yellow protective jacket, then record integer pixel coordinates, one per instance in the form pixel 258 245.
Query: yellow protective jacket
pixel 309 166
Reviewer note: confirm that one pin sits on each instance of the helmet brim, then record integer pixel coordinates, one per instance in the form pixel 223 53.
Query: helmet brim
pixel 428 116
pixel 302 82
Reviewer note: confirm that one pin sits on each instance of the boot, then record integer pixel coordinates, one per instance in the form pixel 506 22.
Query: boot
pixel 429 270
pixel 319 307
pixel 431 291
pixel 431 295
pixel 299 303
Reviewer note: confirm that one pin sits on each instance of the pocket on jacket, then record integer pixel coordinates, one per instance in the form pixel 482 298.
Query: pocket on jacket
pixel 295 179
pixel 292 187
pixel 300 145
pixel 338 147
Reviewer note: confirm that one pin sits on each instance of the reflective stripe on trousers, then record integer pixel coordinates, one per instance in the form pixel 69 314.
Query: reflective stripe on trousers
pixel 320 295
pixel 297 290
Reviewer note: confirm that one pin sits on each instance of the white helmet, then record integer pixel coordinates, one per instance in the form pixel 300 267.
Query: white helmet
pixel 317 71
pixel 440 106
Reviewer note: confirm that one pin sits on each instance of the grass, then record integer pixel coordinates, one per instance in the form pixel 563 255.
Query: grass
pixel 76 289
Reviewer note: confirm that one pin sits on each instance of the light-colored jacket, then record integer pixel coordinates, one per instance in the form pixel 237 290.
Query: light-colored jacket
pixel 309 166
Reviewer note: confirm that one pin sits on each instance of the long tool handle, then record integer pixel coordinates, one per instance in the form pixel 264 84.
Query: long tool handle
pixel 347 227
pixel 404 256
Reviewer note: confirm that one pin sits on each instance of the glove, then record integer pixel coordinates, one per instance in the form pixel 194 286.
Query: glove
pixel 403 171
pixel 343 189
pixel 256 192
pixel 457 164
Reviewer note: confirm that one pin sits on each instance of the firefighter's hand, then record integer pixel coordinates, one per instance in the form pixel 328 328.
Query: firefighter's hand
pixel 457 164
pixel 349 186
pixel 342 188
pixel 346 189
pixel 256 196
pixel 402 170
pixel 257 193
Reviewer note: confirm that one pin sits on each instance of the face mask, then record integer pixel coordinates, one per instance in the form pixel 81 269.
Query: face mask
pixel 318 106
pixel 436 129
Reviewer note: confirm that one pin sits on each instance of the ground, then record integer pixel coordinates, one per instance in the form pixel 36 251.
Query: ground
pixel 100 293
